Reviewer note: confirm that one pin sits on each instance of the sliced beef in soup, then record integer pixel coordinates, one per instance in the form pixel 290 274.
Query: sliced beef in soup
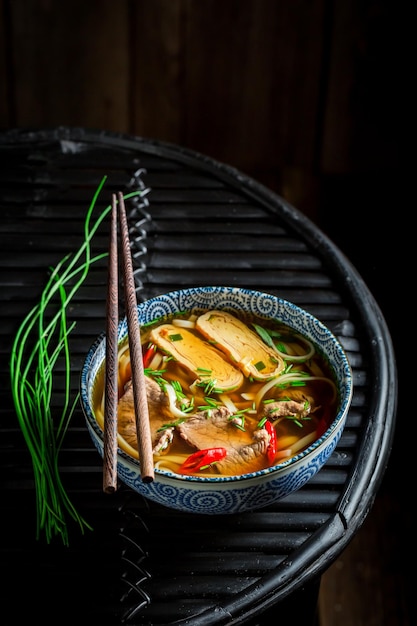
pixel 158 414
pixel 251 458
pixel 286 408
pixel 245 450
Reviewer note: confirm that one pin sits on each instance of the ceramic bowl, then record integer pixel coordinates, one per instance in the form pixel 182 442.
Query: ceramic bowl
pixel 218 494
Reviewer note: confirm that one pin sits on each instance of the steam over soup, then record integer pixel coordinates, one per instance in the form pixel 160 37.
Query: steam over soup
pixel 227 395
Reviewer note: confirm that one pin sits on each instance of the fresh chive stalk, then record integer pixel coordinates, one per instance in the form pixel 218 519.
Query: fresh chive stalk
pixel 41 341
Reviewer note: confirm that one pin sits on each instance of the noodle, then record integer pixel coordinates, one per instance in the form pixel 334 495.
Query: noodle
pixel 300 402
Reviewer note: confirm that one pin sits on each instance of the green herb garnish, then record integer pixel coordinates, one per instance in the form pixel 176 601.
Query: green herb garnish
pixel 203 371
pixel 264 335
pixel 171 425
pixel 176 337
pixel 297 419
pixel 209 386
pixel 40 349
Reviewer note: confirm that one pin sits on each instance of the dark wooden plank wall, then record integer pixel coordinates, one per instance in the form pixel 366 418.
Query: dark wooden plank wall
pixel 278 89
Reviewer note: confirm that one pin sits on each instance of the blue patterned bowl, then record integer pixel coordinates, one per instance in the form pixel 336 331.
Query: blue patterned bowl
pixel 227 494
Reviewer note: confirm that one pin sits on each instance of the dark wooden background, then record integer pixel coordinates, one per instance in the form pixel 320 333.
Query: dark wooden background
pixel 306 96
pixel 290 92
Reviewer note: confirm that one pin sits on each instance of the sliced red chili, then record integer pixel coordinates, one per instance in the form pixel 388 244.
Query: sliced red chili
pixel 147 357
pixel 321 428
pixel 272 445
pixel 202 459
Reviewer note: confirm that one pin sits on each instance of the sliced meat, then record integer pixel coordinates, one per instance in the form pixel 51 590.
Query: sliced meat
pixel 287 408
pixel 249 458
pixel 214 428
pixel 163 440
pixel 158 414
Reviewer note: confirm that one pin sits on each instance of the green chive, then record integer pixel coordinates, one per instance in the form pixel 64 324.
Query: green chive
pixel 41 345
pixel 177 337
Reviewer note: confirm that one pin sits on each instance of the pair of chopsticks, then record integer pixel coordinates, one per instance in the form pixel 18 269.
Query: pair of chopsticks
pixel 111 367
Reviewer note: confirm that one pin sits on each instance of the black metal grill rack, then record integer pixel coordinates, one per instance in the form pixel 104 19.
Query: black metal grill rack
pixel 200 223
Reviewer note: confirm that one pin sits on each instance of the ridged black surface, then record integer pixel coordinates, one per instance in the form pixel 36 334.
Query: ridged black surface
pixel 202 223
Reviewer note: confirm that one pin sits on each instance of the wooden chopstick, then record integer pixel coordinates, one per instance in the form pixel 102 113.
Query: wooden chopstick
pixel 111 393
pixel 143 428
pixel 111 373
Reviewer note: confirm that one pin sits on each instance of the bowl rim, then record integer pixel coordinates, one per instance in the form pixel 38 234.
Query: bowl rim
pixel 314 447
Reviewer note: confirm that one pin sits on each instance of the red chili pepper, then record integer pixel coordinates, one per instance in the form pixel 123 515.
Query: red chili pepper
pixel 147 357
pixel 321 428
pixel 272 445
pixel 202 459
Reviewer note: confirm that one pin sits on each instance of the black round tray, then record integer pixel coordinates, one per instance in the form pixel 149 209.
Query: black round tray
pixel 204 224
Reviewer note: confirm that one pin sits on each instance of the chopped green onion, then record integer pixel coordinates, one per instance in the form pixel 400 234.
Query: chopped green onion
pixel 202 371
pixel 297 420
pixel 155 373
pixel 178 389
pixel 187 407
pixel 239 415
pixel 281 348
pixel 264 335
pixel 176 337
pixel 209 386
pixel 211 402
pixel 170 425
